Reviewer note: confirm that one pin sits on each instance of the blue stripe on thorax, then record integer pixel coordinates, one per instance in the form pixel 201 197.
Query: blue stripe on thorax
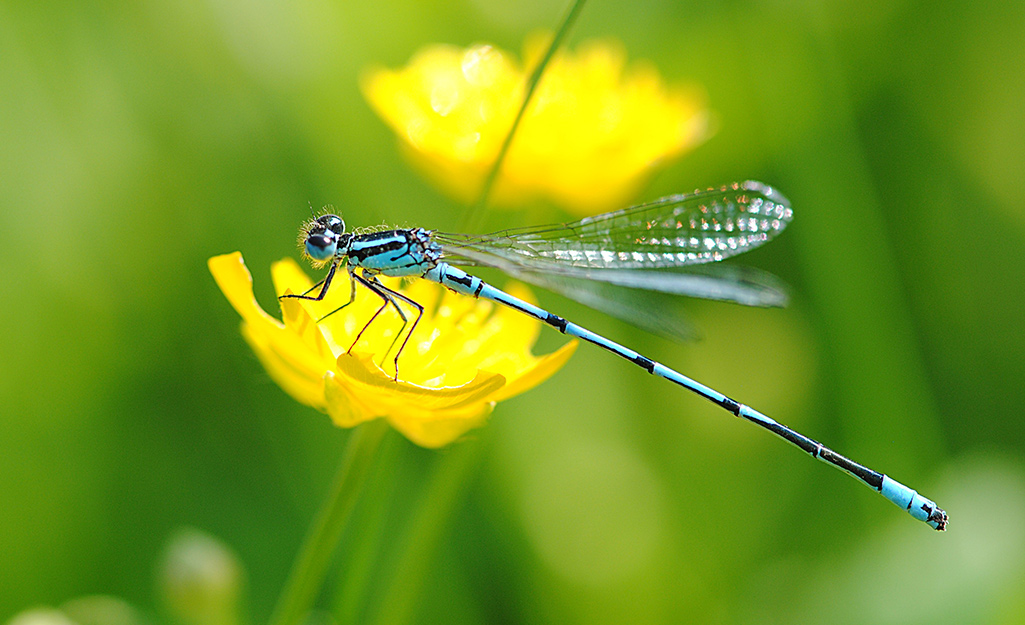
pixel 390 252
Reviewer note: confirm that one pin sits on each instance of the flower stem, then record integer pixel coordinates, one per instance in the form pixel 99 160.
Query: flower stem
pixel 471 222
pixel 448 483
pixel 307 575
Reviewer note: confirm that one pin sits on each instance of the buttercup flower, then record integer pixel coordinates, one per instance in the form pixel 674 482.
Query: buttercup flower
pixel 591 135
pixel 464 355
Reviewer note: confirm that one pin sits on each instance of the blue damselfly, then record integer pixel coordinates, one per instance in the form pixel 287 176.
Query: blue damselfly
pixel 610 262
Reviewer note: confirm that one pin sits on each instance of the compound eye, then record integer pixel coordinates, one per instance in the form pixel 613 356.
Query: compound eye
pixel 321 247
pixel 333 223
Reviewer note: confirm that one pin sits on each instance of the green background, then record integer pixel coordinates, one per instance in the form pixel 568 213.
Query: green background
pixel 139 138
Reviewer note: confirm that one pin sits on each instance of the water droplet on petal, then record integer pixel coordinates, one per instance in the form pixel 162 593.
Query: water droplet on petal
pixel 481 64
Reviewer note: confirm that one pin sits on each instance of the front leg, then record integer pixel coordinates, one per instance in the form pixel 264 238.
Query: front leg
pixel 323 284
pixel 352 297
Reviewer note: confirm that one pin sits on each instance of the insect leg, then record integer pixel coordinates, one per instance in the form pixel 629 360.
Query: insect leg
pixel 390 296
pixel 323 284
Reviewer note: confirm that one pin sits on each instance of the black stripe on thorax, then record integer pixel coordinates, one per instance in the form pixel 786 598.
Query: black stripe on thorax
pixel 393 240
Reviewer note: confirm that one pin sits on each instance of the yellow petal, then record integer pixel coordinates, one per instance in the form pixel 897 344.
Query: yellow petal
pixel 430 417
pixel 540 371
pixel 463 355
pixel 235 281
pixel 291 362
pixel 366 380
pixel 298 382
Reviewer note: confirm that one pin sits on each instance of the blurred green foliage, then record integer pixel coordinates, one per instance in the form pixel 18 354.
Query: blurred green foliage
pixel 139 138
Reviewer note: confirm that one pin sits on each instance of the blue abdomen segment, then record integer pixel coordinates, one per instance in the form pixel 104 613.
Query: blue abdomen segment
pixel 918 506
pixel 465 284
pixel 458 280
pixel 395 253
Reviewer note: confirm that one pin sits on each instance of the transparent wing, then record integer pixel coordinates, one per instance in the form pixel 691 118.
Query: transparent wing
pixel 655 312
pixel 674 231
pixel 725 283
pixel 646 297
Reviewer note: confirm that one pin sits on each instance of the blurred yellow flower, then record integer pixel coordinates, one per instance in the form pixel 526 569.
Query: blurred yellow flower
pixel 464 356
pixel 593 132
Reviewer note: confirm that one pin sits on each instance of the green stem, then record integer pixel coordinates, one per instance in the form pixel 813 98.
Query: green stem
pixel 370 523
pixel 311 564
pixel 449 480
pixel 476 213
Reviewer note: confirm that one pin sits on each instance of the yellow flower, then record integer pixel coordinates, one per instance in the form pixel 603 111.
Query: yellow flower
pixel 464 355
pixel 594 130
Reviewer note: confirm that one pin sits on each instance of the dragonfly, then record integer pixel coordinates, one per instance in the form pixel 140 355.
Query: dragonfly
pixel 625 263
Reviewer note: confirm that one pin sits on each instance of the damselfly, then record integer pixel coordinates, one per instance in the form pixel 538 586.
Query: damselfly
pixel 669 246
